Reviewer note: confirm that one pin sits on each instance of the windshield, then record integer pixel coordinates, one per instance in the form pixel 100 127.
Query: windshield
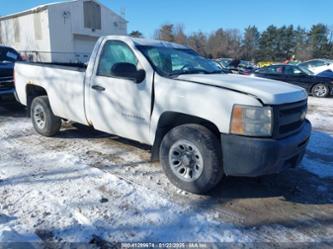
pixel 8 55
pixel 224 62
pixel 169 61
pixel 306 70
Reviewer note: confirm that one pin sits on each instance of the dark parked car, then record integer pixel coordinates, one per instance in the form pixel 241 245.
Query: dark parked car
pixel 8 56
pixel 316 85
pixel 224 62
pixel 236 66
pixel 326 73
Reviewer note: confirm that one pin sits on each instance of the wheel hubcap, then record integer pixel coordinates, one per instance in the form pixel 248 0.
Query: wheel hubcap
pixel 320 90
pixel 39 116
pixel 186 161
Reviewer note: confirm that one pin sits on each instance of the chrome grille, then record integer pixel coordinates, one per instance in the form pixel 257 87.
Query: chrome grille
pixel 6 83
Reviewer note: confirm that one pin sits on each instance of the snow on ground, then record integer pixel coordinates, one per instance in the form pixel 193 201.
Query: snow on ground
pixel 76 187
pixel 320 113
pixel 55 191
pixel 319 157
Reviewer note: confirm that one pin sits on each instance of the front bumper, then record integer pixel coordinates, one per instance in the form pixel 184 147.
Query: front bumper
pixel 248 156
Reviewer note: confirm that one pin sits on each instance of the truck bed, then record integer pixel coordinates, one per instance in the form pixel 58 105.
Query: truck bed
pixel 63 83
pixel 67 66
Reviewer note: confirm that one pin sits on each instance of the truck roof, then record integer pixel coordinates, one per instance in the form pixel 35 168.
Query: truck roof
pixel 157 43
pixel 146 42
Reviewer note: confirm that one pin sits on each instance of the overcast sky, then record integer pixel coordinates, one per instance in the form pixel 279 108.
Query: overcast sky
pixel 207 15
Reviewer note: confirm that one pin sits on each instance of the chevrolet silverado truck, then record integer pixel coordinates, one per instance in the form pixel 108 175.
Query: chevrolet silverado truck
pixel 200 123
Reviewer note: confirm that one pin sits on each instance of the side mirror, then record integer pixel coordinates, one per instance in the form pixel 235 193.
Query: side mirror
pixel 128 71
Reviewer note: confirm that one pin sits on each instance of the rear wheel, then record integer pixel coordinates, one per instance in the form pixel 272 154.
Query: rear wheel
pixel 43 119
pixel 320 90
pixel 190 157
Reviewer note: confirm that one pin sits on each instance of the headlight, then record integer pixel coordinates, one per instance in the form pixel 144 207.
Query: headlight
pixel 251 121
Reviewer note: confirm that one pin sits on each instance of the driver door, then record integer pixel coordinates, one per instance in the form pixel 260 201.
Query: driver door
pixel 118 105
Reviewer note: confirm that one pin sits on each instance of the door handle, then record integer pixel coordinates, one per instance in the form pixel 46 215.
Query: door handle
pixel 98 88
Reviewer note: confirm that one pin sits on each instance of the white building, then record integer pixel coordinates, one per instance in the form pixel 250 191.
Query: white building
pixel 60 32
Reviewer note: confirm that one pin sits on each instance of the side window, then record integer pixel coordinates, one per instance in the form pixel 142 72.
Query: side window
pixel 114 52
pixel 279 69
pixel 289 70
pixel 292 70
pixel 273 69
pixel 266 70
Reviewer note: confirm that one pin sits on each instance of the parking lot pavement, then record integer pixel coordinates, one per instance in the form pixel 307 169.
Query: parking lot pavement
pixel 83 185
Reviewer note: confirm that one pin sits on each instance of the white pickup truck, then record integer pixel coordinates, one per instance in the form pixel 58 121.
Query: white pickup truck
pixel 202 124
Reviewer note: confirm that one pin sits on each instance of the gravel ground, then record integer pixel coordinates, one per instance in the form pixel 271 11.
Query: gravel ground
pixel 87 186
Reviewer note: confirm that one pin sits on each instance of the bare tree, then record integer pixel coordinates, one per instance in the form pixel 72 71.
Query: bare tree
pixel 179 34
pixel 198 42
pixel 224 43
pixel 165 33
pixel 136 34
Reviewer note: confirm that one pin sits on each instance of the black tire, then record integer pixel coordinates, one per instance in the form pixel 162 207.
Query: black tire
pixel 320 90
pixel 51 123
pixel 209 147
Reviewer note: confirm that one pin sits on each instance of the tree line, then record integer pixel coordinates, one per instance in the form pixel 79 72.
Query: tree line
pixel 272 44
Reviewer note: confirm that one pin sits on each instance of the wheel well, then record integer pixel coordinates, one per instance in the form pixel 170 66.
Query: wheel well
pixel 328 86
pixel 32 92
pixel 169 120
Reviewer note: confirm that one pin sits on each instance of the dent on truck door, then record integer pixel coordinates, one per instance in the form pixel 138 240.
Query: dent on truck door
pixel 119 105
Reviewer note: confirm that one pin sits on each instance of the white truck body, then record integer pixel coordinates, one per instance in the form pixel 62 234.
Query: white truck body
pixel 135 111
pixel 71 97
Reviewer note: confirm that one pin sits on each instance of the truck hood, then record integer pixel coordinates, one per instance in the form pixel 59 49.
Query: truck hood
pixel 270 92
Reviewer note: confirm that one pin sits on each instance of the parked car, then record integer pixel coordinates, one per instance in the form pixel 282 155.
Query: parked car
pixel 201 124
pixel 246 67
pixel 237 66
pixel 223 69
pixel 224 62
pixel 326 74
pixel 318 65
pixel 8 56
pixel 300 76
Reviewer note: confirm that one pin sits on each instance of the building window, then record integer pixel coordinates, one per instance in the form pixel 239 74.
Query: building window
pixel 38 26
pixel 92 15
pixel 16 30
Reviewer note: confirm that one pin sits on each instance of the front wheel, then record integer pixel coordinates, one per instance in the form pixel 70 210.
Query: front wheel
pixel 190 157
pixel 43 119
pixel 320 90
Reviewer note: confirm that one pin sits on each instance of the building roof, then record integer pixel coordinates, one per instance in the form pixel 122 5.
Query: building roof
pixel 33 10
pixel 42 7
